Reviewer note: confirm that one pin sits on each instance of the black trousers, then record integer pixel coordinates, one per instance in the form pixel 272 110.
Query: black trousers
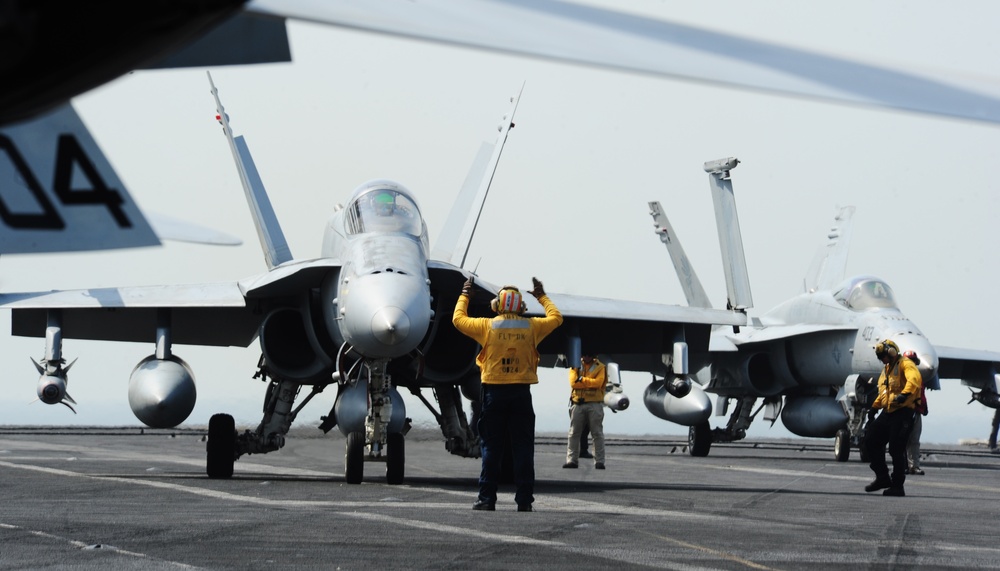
pixel 892 428
pixel 507 413
pixel 996 427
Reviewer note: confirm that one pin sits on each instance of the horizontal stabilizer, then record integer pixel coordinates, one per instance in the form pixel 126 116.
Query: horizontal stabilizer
pixel 177 230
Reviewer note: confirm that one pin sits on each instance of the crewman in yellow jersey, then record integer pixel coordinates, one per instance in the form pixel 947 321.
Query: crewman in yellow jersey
pixel 899 389
pixel 587 383
pixel 508 365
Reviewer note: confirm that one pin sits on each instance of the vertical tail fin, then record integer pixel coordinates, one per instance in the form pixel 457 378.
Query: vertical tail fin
pixel 829 267
pixel 693 291
pixel 272 239
pixel 456 236
pixel 730 239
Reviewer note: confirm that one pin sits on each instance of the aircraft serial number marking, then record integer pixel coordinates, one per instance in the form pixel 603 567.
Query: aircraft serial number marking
pixel 69 154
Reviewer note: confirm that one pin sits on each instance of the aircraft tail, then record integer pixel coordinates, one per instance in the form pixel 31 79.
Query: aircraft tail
pixel 272 239
pixel 829 267
pixel 693 290
pixel 50 166
pixel 727 222
pixel 456 237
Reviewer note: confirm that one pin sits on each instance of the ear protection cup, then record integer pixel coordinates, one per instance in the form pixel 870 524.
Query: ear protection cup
pixel 887 347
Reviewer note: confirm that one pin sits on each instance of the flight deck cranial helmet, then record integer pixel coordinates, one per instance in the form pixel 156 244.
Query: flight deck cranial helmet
pixel 887 348
pixel 508 300
pixel 912 355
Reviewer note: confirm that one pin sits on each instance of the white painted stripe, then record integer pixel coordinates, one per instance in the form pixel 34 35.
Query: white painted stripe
pixel 82 545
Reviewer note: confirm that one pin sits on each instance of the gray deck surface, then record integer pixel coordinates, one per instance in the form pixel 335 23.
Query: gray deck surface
pixel 125 498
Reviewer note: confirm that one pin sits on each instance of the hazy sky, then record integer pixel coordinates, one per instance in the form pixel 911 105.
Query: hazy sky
pixel 590 149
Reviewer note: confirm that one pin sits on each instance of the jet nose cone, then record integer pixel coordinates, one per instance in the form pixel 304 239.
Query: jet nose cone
pixel 390 325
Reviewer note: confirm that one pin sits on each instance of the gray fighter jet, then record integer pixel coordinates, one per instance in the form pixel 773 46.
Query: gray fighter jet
pixel 810 360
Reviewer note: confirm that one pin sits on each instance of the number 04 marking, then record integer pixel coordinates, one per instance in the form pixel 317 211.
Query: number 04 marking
pixel 69 153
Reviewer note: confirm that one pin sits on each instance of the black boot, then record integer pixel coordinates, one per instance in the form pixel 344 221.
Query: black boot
pixel 878 484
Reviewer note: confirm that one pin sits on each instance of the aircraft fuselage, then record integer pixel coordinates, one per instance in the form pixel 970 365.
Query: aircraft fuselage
pixel 380 302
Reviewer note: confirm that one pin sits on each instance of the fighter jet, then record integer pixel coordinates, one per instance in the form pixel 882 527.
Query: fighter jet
pixel 370 317
pixel 810 360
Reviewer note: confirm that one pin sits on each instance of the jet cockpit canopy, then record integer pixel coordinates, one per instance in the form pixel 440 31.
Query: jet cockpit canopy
pixel 383 206
pixel 865 292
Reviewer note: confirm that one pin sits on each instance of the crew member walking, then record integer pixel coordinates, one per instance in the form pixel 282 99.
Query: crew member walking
pixel 899 389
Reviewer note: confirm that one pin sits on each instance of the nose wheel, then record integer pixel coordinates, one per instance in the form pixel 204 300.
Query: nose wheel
pixel 221 446
pixel 842 445
pixel 395 460
pixel 354 459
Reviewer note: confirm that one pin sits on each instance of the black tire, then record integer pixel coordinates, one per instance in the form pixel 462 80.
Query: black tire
pixel 354 458
pixel 700 439
pixel 221 446
pixel 395 459
pixel 842 445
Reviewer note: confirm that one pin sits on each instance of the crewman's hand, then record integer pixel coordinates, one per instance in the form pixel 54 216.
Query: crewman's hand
pixel 538 290
pixel 467 288
pixel 902 398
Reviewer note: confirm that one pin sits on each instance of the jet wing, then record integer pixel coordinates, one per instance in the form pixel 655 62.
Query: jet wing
pixel 973 367
pixel 636 334
pixel 217 314
pixel 203 314
pixel 568 31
